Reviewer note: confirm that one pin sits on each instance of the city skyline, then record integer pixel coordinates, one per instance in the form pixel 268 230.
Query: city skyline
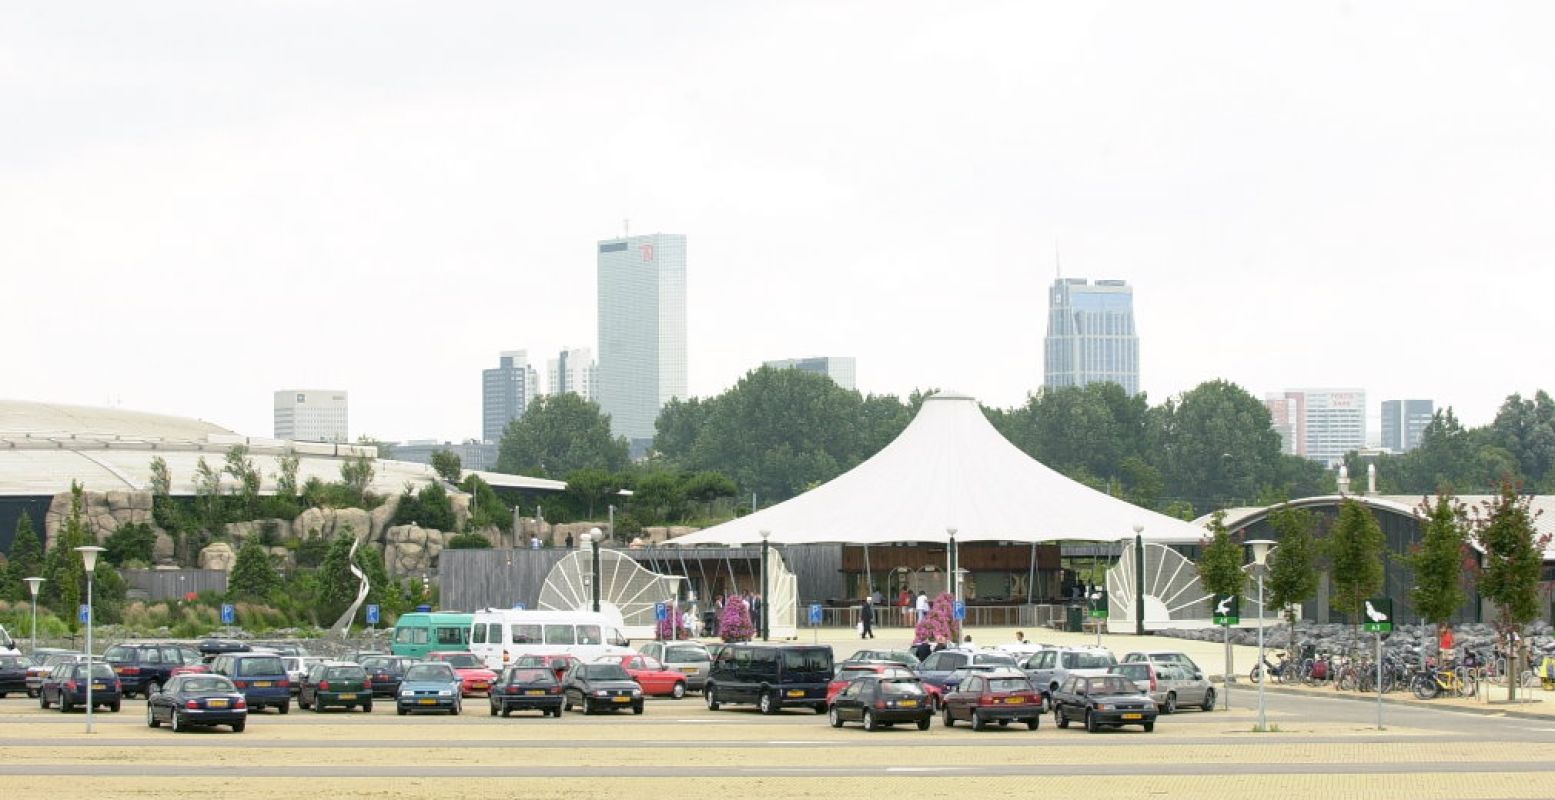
pixel 1332 196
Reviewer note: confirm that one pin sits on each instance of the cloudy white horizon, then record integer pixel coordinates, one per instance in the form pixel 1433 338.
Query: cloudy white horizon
pixel 205 203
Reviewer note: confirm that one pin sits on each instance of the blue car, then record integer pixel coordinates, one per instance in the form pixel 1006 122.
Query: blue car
pixel 428 686
pixel 938 668
pixel 261 677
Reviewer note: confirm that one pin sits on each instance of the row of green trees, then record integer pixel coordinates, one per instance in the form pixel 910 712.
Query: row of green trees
pixel 1517 446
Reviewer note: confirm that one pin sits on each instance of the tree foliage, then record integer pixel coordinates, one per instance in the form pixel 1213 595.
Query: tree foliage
pixel 253 577
pixel 591 488
pixel 446 464
pixel 1437 561
pixel 1513 555
pixel 24 561
pixel 487 508
pixel 557 435
pixel 1220 561
pixel 1293 576
pixel 1354 549
pixel 161 478
pixel 429 508
pixel 132 542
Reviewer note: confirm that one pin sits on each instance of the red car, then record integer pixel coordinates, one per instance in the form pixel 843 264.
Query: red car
pixel 557 663
pixel 650 674
pixel 885 669
pixel 473 675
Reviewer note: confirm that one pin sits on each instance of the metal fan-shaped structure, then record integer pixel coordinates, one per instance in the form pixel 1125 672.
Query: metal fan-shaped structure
pixel 782 598
pixel 625 588
pixel 1174 597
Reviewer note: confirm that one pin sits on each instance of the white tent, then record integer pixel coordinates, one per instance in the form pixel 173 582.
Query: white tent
pixel 950 469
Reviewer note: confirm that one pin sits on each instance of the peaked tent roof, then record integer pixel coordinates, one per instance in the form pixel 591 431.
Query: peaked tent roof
pixel 949 469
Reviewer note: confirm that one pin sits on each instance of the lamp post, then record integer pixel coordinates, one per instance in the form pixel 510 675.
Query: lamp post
pixel 32 586
pixel 1139 580
pixel 594 536
pixel 1260 557
pixel 762 597
pixel 89 560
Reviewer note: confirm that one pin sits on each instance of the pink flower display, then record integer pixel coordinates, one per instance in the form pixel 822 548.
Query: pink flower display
pixel 939 625
pixel 734 624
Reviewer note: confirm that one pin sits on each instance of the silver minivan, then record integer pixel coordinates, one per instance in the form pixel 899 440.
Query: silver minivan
pixel 689 658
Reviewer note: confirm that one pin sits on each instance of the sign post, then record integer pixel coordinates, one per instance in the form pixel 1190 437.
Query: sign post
pixel 229 614
pixel 661 612
pixel 84 614
pixel 1228 612
pixel 815 622
pixel 372 616
pixel 1379 620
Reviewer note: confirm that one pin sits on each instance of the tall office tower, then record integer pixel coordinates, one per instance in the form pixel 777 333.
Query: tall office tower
pixel 1090 335
pixel 1328 422
pixel 311 415
pixel 642 331
pixel 841 369
pixel 573 370
pixel 506 392
pixel 1403 421
pixel 1286 415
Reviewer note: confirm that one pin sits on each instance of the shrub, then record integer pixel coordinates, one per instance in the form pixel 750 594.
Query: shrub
pixel 469 541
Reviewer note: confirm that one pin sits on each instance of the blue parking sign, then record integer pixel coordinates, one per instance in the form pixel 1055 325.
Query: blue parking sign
pixel 815 613
pixel 372 613
pixel 229 614
pixel 84 613
pixel 661 612
pixel 960 610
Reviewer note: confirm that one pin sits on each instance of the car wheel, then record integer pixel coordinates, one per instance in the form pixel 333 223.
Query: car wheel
pixel 237 727
pixel 455 710
pixel 1209 700
pixel 401 710
pixel 944 717
pixel 1004 723
pixel 711 696
pixel 43 700
pixel 1149 727
pixel 1171 703
pixel 1090 722
pixel 1033 723
pixel 368 707
pixel 151 718
pixel 977 721
pixel 65 706
pixel 637 708
pixel 923 724
pixel 31 693
pixel 286 707
pixel 178 722
pixel 566 701
pixel 152 688
pixel 767 704
pixel 834 718
pixel 1063 721
pixel 114 707
pixel 493 707
pixel 678 691
pixel 869 721
pixel 302 702
pixel 318 707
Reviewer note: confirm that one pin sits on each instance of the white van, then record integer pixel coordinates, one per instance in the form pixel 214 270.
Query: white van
pixel 499 635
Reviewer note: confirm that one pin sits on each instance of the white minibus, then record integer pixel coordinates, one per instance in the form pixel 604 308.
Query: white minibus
pixel 498 635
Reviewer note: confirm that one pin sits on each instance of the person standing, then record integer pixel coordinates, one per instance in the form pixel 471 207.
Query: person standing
pixel 904 601
pixel 1445 644
pixel 867 619
pixel 923 606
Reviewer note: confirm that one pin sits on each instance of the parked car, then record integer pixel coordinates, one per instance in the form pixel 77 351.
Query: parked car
pixel 429 686
pixel 688 658
pixel 599 686
pixel 654 678
pixel 473 674
pixel 938 666
pixel 903 657
pixel 1050 668
pixel 336 683
pixel 557 663
pixel 297 667
pixel 42 666
pixel 198 700
pixel 66 686
pixel 143 667
pixel 210 648
pixel 856 670
pixel 1170 685
pixel 525 688
pixel 385 672
pixel 261 677
pixel 13 674
pixel 771 676
pixel 1103 701
pixel 882 700
pixel 1162 657
pixel 1001 696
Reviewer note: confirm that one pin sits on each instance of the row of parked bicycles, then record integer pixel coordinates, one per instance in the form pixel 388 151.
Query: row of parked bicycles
pixel 1406 671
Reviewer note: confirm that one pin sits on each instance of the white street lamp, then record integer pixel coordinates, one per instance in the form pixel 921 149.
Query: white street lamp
pixel 1260 549
pixel 89 560
pixel 33 585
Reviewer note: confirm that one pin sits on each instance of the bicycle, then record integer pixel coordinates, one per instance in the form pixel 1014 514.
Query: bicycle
pixel 1432 682
pixel 1280 672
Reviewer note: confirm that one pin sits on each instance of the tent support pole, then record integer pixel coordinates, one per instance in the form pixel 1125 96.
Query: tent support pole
pixel 1031 578
pixel 869 574
pixel 1139 582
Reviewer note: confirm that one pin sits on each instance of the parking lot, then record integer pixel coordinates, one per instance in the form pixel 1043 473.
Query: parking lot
pixel 680 749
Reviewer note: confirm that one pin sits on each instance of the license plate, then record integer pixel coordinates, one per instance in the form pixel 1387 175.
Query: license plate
pixel 478 686
pixel 97 687
pixel 535 691
pixel 689 670
pixel 215 703
pixel 908 704
pixel 1014 701
pixel 621 699
pixel 1133 716
pixel 348 697
pixel 427 701
pixel 262 684
pixel 796 693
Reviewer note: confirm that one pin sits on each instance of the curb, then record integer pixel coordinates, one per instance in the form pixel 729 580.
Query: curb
pixel 1397 701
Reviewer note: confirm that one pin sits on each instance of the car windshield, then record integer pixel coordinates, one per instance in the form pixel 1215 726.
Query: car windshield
pixel 1111 685
pixel 809 660
pixel 681 655
pixel 461 660
pixel 901 688
pixel 99 671
pixel 429 672
pixel 14 661
pixel 1009 685
pixel 211 683
pixel 1088 660
pixel 996 659
pixel 604 672
pixel 849 673
pixel 345 674
pixel 260 666
pixel 117 655
pixel 531 676
pixel 1133 671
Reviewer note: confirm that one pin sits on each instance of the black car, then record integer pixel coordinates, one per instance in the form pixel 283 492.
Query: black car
pixel 13 674
pixel 210 648
pixel 43 662
pixel 385 673
pixel 1105 701
pixel 66 686
pixel 1000 696
pixel 771 676
pixel 523 688
pixel 144 668
pixel 335 683
pixel 879 702
pixel 596 687
pixel 189 701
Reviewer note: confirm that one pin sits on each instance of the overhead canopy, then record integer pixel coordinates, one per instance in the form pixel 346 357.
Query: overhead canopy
pixel 949 469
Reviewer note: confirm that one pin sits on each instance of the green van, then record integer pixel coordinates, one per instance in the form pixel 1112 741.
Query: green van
pixel 420 632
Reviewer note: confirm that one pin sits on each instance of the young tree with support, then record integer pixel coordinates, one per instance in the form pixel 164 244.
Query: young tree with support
pixel 1438 561
pixel 1510 570
pixel 1354 549
pixel 1293 576
pixel 1221 574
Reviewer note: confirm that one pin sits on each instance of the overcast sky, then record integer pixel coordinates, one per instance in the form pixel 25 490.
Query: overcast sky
pixel 201 203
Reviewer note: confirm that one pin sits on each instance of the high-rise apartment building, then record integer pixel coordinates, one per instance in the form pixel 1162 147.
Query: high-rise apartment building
pixel 1322 424
pixel 1403 421
pixel 573 370
pixel 1090 335
pixel 506 392
pixel 312 415
pixel 642 330
pixel 841 369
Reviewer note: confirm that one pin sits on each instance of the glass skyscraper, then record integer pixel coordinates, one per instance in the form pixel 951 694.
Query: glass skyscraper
pixel 1403 422
pixel 642 331
pixel 506 392
pixel 1090 335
